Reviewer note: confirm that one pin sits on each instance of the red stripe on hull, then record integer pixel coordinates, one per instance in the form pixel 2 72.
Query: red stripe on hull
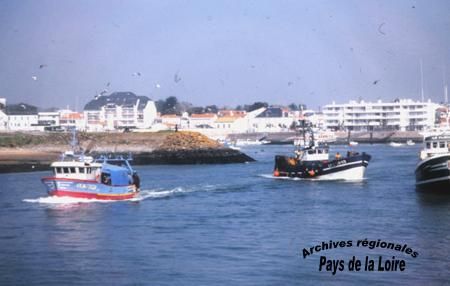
pixel 91 195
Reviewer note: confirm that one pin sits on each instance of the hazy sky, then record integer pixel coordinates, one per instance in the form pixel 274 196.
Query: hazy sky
pixel 223 52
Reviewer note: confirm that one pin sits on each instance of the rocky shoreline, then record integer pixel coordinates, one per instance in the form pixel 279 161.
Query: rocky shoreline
pixel 145 149
pixel 198 156
pixel 159 157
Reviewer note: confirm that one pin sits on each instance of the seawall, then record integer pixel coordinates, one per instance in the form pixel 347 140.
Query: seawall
pixel 35 152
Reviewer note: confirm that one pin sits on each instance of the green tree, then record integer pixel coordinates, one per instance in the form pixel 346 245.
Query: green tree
pixel 256 105
pixel 196 110
pixel 293 107
pixel 211 109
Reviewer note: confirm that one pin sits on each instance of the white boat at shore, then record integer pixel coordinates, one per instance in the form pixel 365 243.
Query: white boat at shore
pixel 395 144
pixel 320 136
pixel 247 142
pixel 410 143
pixel 353 143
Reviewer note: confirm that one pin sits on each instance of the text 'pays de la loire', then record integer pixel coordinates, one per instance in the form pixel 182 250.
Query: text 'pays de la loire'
pixel 368 264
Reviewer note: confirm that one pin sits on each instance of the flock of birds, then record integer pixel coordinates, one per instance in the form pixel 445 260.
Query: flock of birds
pixel 176 79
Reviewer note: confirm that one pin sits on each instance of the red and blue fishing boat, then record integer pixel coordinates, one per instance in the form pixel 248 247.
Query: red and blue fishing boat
pixel 83 177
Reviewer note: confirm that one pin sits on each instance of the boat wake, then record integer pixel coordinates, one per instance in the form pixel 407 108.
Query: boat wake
pixel 270 176
pixel 54 200
pixel 158 194
pixel 143 195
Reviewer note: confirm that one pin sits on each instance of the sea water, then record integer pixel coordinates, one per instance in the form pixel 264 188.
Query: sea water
pixel 228 225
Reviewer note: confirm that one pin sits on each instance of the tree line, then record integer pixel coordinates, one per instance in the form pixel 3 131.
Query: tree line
pixel 171 105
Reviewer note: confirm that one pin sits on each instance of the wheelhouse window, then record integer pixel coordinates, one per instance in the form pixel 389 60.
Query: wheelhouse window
pixel 72 170
pixel 106 179
pixel 441 144
pixel 428 145
pixel 434 144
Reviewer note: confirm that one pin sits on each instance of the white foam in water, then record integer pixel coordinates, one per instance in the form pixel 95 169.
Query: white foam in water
pixel 144 194
pixel 61 200
pixel 155 194
pixel 270 176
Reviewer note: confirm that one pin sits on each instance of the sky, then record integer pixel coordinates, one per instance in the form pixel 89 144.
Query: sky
pixel 62 53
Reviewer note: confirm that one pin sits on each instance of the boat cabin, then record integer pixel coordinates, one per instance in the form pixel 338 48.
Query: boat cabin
pixel 115 176
pixel 76 170
pixel 435 145
pixel 107 174
pixel 313 153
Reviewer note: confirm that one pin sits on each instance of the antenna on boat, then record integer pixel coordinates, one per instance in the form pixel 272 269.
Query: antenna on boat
pixel 444 82
pixel 421 80
pixel 302 123
pixel 306 128
pixel 312 143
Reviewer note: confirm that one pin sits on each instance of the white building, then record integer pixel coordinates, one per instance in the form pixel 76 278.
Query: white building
pixel 49 118
pixel 403 114
pixel 72 120
pixel 204 120
pixel 3 121
pixel 315 118
pixel 3 116
pixel 172 121
pixel 119 110
pixel 22 117
pixel 270 119
pixel 264 119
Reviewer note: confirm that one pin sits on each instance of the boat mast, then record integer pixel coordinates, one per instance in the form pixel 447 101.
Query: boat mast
pixel 444 82
pixel 421 81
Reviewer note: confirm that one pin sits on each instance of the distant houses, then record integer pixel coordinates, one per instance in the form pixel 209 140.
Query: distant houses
pixel 122 111
pixel 119 111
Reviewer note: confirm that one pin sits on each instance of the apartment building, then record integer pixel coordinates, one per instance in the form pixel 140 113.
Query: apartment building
pixel 21 117
pixel 119 110
pixel 401 114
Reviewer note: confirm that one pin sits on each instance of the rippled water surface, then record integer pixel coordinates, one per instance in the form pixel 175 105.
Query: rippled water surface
pixel 225 225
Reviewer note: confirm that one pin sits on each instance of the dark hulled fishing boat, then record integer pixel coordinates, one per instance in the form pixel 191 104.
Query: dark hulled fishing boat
pixel 313 162
pixel 433 171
